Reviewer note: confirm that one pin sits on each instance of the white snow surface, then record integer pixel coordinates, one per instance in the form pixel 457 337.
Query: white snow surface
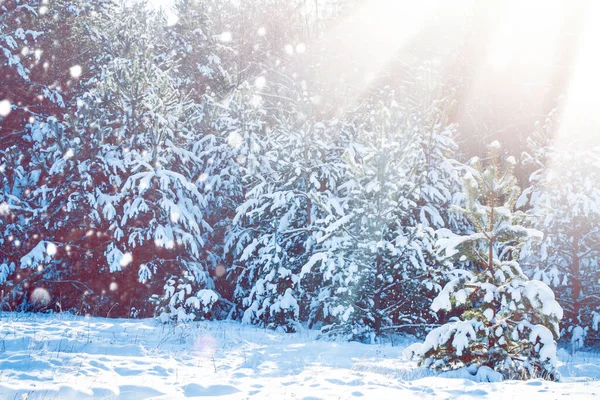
pixel 70 357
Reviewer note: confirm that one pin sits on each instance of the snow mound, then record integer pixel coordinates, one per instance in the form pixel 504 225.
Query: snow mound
pixel 481 374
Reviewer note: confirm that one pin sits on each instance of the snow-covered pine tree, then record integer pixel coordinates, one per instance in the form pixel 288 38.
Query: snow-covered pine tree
pixel 275 226
pixel 255 35
pixel 430 102
pixel 563 199
pixel 369 255
pixel 14 37
pixel 121 190
pixel 232 150
pixel 38 79
pixel 16 211
pixel 193 50
pixel 43 48
pixel 416 131
pixel 160 209
pixel 508 323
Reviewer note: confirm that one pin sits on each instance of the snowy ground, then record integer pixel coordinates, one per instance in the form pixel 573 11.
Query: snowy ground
pixel 67 357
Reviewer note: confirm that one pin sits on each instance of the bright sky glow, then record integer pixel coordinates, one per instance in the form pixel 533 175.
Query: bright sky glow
pixel 367 40
pixel 580 118
pixel 167 7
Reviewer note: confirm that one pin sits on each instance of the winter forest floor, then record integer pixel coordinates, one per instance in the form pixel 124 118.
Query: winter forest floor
pixel 69 357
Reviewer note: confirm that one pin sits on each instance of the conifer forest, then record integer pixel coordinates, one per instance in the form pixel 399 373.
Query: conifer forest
pixel 385 173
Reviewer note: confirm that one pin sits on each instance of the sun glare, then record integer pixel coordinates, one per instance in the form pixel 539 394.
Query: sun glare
pixel 580 119
pixel 167 7
pixel 362 44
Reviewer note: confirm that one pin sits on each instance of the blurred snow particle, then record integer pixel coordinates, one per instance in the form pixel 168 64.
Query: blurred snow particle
pixel 172 19
pixel 256 100
pixel 5 108
pixel 261 31
pixel 289 49
pixel 40 296
pixel 51 249
pixel 203 177
pixel 225 37
pixel 43 10
pixel 205 346
pixel 220 270
pixel 126 260
pixel 4 209
pixel 68 154
pixel 260 82
pixel 300 48
pixel 113 286
pixel 234 140
pixel 75 71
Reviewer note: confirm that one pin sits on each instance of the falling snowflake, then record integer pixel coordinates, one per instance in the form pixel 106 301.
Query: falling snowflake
pixel 51 249
pixel 5 108
pixel 234 140
pixel 126 260
pixel 300 48
pixel 262 31
pixel 40 296
pixel 256 100
pixel 172 19
pixel 75 71
pixel 220 270
pixel 226 37
pixel 203 177
pixel 260 82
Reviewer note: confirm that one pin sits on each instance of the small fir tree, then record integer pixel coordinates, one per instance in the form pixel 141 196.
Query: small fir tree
pixel 508 323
